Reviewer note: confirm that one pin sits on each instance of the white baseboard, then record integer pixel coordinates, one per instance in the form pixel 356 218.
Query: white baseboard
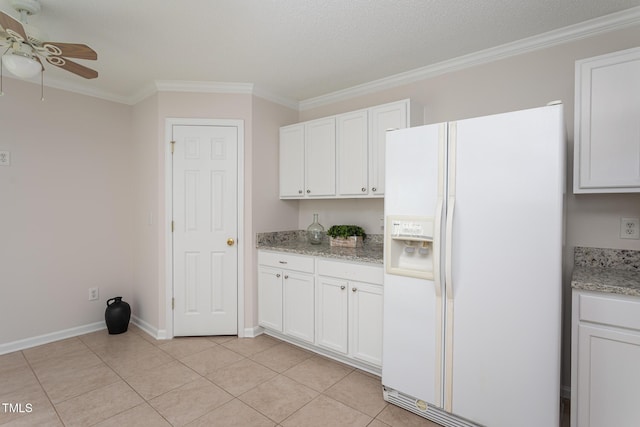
pixel 253 332
pixel 159 334
pixel 50 337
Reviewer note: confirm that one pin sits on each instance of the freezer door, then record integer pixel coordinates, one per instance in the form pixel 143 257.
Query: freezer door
pixel 413 322
pixel 506 177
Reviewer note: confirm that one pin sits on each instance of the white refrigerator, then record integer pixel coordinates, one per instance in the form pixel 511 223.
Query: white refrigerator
pixel 473 269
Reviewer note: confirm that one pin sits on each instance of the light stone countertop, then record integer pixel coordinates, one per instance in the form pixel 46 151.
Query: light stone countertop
pixel 295 242
pixel 615 271
pixel 607 280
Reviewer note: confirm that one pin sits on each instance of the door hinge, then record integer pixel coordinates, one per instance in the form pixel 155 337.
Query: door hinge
pixel 173 303
pixel 173 146
pixel 172 226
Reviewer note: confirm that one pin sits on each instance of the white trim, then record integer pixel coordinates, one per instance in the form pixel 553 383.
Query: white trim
pixel 223 87
pixel 253 332
pixel 614 21
pixel 51 337
pixel 146 327
pixel 167 333
pixel 203 87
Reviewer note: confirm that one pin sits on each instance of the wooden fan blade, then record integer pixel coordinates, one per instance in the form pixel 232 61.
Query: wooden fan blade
pixel 73 67
pixel 70 50
pixel 9 23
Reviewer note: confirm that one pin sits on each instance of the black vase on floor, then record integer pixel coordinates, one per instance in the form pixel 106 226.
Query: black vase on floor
pixel 117 315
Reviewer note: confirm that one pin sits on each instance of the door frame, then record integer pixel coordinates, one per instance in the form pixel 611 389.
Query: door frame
pixel 168 209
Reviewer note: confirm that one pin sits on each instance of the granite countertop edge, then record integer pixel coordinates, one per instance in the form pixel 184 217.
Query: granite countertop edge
pixel 607 280
pixel 293 242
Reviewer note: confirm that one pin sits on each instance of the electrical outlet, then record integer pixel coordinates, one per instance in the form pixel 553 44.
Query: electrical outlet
pixel 5 158
pixel 630 228
pixel 94 294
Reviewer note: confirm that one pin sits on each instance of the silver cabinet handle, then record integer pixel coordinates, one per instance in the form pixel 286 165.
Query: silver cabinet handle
pixel 364 189
pixel 308 191
pixel 342 287
pixel 299 191
pixel 374 189
pixel 282 262
pixel 278 275
pixel 354 289
pixel 286 276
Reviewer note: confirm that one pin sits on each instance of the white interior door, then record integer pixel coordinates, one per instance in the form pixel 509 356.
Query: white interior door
pixel 205 230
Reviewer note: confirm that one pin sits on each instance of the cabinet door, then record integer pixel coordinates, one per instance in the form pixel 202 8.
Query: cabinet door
pixel 352 141
pixel 608 377
pixel 292 161
pixel 320 157
pixel 298 305
pixel 607 124
pixel 270 298
pixel 365 319
pixel 382 118
pixel 332 314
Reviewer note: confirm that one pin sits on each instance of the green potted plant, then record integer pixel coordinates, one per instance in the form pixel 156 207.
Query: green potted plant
pixel 349 236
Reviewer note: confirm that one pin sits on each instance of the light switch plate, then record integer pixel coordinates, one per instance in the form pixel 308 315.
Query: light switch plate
pixel 5 158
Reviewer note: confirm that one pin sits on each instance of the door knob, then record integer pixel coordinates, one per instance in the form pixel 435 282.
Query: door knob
pixel 230 241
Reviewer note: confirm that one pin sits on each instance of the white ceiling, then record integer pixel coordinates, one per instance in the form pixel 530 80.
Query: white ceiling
pixel 294 49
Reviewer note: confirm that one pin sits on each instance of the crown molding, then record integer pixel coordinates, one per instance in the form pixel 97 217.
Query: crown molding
pixel 614 21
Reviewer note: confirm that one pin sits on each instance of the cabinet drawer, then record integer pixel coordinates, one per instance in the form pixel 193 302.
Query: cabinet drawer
pixel 621 311
pixel 351 271
pixel 287 261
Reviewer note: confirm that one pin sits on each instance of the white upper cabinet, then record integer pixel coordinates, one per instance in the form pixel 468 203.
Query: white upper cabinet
pixel 320 157
pixel 307 159
pixel 607 124
pixel 353 146
pixel 292 161
pixel 343 155
pixel 395 115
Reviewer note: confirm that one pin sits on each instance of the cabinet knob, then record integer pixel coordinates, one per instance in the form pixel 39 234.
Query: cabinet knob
pixel 278 275
pixel 308 191
pixel 374 189
pixel 364 189
pixel 286 276
pixel 354 289
pixel 299 191
pixel 342 287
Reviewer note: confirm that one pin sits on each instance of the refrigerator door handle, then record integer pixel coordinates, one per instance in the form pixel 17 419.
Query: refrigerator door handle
pixel 437 247
pixel 448 279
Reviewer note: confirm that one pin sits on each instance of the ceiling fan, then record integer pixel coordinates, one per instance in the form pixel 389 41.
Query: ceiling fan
pixel 25 46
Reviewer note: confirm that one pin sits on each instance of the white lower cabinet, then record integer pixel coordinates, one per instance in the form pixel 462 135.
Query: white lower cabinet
pixel 328 312
pixel 365 322
pixel 298 305
pixel 605 360
pixel 270 298
pixel 349 312
pixel 286 294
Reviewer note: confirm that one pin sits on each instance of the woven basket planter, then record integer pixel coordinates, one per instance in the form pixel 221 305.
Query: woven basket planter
pixel 346 242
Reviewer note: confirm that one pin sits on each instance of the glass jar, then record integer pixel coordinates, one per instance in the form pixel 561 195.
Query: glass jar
pixel 315 232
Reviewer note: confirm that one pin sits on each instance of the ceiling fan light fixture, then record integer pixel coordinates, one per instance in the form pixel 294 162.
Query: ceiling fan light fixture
pixel 21 65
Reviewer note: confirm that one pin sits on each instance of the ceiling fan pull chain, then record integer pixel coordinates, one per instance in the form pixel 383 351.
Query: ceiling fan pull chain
pixel 42 85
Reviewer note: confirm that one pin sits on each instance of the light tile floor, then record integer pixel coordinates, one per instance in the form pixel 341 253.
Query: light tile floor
pixel 133 380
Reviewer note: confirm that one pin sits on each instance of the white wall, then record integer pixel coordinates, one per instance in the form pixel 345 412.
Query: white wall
pixel 65 223
pixel 269 212
pixel 146 184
